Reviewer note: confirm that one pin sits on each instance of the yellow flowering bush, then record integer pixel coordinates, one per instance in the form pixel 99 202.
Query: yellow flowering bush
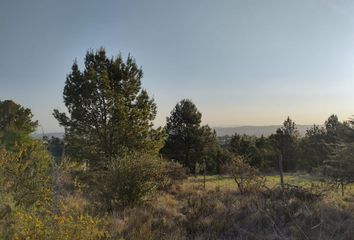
pixel 34 226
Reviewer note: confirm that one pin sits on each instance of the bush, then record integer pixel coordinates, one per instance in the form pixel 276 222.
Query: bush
pixel 65 177
pixel 175 171
pixel 25 174
pixel 127 181
pixel 246 177
pixel 62 225
pixel 159 219
pixel 27 206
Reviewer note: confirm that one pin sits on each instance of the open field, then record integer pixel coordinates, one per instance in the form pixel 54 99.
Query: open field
pixel 226 182
pixel 307 181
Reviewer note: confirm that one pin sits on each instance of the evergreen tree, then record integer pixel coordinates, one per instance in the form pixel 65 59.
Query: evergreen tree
pixel 331 125
pixel 240 145
pixel 109 112
pixel 188 142
pixel 262 153
pixel 339 163
pixel 339 166
pixel 25 165
pixel 285 141
pixel 313 148
pixel 246 146
pixel 15 123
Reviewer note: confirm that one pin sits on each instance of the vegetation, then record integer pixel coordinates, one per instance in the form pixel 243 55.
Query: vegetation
pixel 188 142
pixel 340 166
pixel 115 176
pixel 109 113
pixel 15 123
pixel 127 181
pixel 246 177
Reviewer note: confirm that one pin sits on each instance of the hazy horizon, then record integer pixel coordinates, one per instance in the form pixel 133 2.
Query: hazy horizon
pixel 246 129
pixel 243 63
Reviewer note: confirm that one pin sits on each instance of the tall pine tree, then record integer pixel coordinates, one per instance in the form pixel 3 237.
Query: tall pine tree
pixel 109 112
pixel 188 142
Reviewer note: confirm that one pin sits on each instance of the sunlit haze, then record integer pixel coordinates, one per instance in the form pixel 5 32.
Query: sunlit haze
pixel 241 62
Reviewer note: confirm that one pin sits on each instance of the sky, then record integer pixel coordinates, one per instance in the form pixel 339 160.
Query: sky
pixel 242 62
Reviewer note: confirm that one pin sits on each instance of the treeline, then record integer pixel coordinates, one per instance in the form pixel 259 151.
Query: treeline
pixel 324 150
pixel 305 153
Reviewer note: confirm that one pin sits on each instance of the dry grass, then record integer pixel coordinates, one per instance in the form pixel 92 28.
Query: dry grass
pixel 220 212
pixel 188 211
pixel 224 182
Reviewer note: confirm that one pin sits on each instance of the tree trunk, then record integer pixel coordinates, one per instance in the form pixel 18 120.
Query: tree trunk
pixel 239 185
pixel 204 171
pixel 281 173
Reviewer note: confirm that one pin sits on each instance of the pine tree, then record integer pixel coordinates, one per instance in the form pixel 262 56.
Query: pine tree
pixel 15 123
pixel 109 112
pixel 285 141
pixel 340 164
pixel 188 142
pixel 313 148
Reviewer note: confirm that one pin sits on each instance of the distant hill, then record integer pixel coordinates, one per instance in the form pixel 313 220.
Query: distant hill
pixel 49 135
pixel 220 131
pixel 256 130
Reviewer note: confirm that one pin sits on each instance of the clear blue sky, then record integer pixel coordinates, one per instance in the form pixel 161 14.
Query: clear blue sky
pixel 242 62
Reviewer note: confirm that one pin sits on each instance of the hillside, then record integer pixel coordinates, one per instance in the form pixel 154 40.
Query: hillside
pixel 256 130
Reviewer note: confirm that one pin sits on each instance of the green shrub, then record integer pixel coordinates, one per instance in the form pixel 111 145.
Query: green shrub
pixel 25 173
pixel 127 181
pixel 38 225
pixel 27 209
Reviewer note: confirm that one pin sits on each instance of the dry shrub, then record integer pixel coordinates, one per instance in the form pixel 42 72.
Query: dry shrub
pixel 289 213
pixel 175 171
pixel 205 216
pixel 65 176
pixel 74 204
pixel 172 174
pixel 246 177
pixel 289 191
pixel 158 220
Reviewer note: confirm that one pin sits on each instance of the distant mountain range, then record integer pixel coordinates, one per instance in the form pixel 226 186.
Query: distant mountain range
pixel 256 130
pixel 220 131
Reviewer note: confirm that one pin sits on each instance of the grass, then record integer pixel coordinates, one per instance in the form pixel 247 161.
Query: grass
pixel 187 211
pixel 224 182
pixel 220 212
pixel 211 183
